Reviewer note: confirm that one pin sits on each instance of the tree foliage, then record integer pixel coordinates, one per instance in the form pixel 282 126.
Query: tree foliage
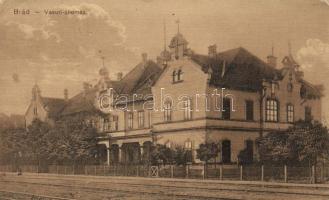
pixel 207 151
pixel 40 143
pixel 161 154
pixel 305 142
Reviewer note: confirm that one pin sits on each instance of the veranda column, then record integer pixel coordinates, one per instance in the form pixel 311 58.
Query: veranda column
pixel 108 155
pixel 120 152
pixel 141 152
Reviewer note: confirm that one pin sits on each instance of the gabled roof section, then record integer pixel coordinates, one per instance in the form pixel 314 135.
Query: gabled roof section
pixel 142 75
pixel 237 69
pixel 82 102
pixel 310 91
pixel 53 106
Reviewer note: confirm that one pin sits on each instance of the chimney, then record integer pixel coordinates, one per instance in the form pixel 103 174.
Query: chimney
pixel 144 57
pixel 271 60
pixel 66 94
pixel 212 50
pixel 119 76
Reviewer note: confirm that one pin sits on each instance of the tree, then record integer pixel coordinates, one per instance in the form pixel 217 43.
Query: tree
pixel 160 154
pixel 207 151
pixel 244 157
pixel 182 156
pixel 36 142
pixel 305 142
pixel 73 142
pixel 11 144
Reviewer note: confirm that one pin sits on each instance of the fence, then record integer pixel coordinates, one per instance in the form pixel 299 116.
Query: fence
pixel 196 171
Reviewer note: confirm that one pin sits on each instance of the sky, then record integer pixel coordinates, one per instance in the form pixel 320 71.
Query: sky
pixel 63 51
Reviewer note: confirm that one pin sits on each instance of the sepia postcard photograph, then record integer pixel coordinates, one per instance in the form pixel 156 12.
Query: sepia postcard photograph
pixel 164 99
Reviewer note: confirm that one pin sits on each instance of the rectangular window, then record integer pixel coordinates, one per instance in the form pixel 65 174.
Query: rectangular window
pixel 35 111
pixel 115 123
pixel 187 109
pixel 106 124
pixel 140 119
pixel 249 110
pixel 226 108
pixel 149 117
pixel 271 110
pixel 188 145
pixel 308 113
pixel 167 112
pixel 290 113
pixel 130 120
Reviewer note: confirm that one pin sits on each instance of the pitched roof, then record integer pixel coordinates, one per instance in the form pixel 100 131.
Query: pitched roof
pixel 311 91
pixel 236 69
pixel 140 76
pixel 245 71
pixel 53 106
pixel 82 102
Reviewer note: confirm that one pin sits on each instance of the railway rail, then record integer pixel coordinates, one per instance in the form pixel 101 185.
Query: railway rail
pixel 14 195
pixel 171 191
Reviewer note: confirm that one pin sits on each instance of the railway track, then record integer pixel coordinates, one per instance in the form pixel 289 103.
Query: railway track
pixel 13 195
pixel 171 191
pixel 254 189
pixel 89 189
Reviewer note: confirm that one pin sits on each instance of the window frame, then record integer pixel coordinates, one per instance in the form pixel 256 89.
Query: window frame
pixel 179 75
pixel 272 110
pixel 167 111
pixel 130 121
pixel 174 75
pixel 187 109
pixel 249 116
pixel 188 145
pixel 290 113
pixel 226 114
pixel 141 118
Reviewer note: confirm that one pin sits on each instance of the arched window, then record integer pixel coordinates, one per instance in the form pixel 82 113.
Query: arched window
pixel 226 151
pixel 272 110
pixel 174 76
pixel 290 113
pixel 167 111
pixel 187 109
pixel 290 87
pixel 179 75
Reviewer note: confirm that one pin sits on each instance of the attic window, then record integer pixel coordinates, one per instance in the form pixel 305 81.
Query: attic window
pixel 177 76
pixel 289 87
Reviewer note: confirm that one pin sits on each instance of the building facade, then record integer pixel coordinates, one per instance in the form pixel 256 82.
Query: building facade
pixel 186 99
